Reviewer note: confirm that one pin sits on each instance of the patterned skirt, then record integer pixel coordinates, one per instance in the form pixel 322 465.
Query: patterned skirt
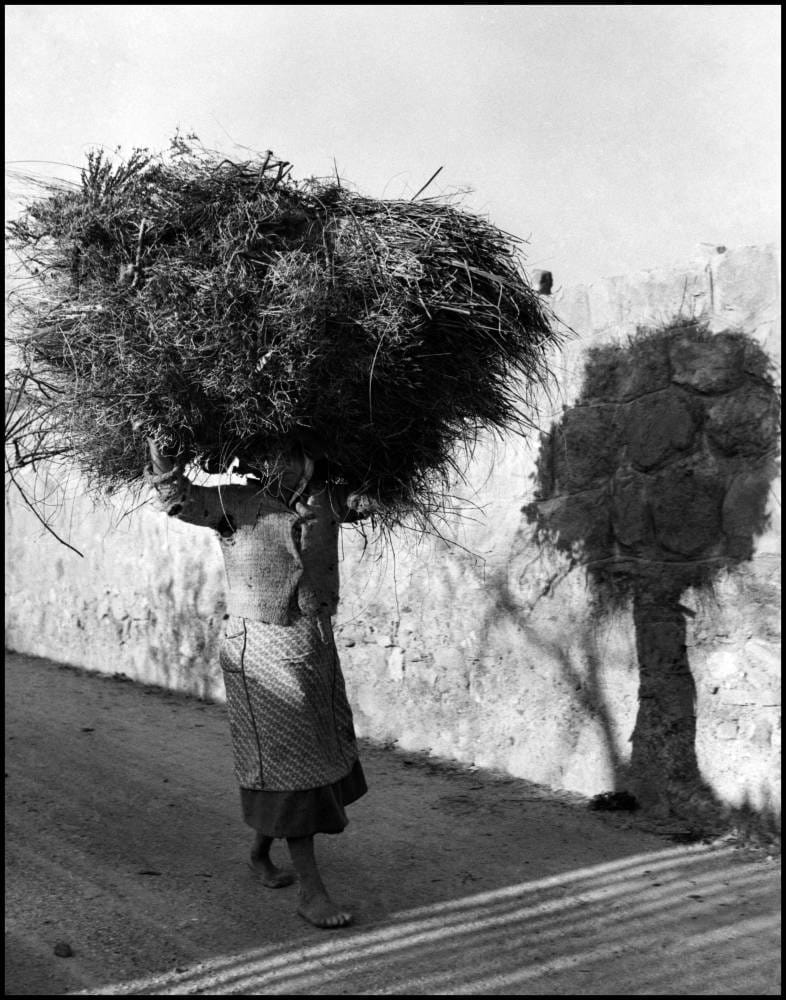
pixel 293 740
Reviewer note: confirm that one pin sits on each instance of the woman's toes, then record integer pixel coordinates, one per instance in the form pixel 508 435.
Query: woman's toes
pixel 324 914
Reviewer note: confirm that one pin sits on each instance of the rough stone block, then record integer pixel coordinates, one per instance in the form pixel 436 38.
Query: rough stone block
pixel 711 365
pixel 620 305
pixel 767 697
pixel 686 508
pixel 658 426
pixel 745 422
pixel 744 511
pixel 761 733
pixel 726 731
pixel 372 658
pixel 746 285
pixel 740 695
pixel 649 370
pixel 617 373
pixel 396 665
pixel 630 514
pixel 763 661
pixel 585 447
pixel 452 666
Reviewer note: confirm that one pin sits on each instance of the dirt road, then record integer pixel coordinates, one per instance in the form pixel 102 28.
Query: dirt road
pixel 124 846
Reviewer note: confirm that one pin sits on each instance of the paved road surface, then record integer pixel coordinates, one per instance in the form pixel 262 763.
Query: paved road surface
pixel 124 842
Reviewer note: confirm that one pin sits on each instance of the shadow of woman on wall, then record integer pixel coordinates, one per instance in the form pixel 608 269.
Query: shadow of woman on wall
pixel 657 479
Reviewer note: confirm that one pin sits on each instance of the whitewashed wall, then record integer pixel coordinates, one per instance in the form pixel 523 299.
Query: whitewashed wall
pixel 479 647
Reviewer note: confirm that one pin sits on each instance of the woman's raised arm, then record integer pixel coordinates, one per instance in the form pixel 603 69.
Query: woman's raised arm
pixel 206 506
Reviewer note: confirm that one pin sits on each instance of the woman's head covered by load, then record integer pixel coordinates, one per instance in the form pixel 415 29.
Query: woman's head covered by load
pixel 300 464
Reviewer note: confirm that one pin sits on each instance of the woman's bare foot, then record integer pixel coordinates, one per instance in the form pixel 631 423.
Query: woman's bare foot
pixel 271 875
pixel 315 904
pixel 260 864
pixel 322 912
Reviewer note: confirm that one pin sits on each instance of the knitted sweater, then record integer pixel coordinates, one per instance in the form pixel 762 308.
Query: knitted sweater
pixel 280 562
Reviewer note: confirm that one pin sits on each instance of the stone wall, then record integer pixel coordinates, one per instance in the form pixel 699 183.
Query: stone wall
pixel 487 642
pixel 656 480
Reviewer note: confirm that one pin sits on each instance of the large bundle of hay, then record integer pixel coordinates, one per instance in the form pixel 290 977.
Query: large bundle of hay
pixel 230 312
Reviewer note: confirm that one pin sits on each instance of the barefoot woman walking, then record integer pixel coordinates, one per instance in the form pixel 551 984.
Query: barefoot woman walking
pixel 401 329
pixel 292 735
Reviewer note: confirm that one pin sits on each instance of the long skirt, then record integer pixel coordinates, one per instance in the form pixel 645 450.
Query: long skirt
pixel 293 739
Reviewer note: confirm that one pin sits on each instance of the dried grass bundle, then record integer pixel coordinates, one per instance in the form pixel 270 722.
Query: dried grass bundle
pixel 231 313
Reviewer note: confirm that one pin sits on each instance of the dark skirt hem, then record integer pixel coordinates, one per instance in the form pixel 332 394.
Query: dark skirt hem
pixel 303 813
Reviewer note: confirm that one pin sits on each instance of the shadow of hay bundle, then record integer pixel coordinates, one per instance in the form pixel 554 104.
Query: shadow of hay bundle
pixel 231 312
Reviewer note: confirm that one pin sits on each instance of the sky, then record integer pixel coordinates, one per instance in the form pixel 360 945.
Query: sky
pixel 612 137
